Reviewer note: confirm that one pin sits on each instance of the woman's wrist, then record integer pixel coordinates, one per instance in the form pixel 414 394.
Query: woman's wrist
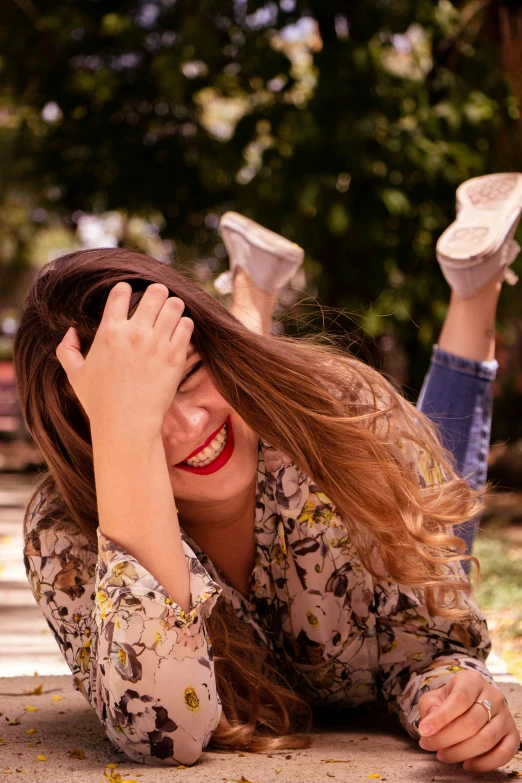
pixel 113 431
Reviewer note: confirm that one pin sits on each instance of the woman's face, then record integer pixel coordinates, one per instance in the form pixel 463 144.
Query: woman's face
pixel 211 451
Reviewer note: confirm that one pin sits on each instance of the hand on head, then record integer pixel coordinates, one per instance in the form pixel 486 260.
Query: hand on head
pixel 134 366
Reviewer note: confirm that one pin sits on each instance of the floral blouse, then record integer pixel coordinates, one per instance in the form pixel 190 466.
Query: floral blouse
pixel 146 666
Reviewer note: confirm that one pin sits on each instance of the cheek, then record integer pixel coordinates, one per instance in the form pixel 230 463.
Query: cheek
pixel 245 437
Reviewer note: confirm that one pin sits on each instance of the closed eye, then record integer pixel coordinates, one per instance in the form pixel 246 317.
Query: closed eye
pixel 193 370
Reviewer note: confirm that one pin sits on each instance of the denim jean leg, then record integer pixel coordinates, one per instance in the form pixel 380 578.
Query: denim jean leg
pixel 457 394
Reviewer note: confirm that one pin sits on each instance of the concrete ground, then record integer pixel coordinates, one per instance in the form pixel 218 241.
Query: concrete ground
pixel 65 733
pixel 350 746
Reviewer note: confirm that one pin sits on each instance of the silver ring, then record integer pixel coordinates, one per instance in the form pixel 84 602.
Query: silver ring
pixel 487 705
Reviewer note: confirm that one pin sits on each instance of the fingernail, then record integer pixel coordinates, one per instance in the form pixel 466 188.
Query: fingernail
pixel 425 729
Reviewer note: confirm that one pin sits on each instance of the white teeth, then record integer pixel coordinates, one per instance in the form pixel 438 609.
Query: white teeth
pixel 213 450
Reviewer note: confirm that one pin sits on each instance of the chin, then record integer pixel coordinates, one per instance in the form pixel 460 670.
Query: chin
pixel 221 486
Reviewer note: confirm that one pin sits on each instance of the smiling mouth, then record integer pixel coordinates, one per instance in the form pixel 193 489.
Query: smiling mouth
pixel 215 453
pixel 208 454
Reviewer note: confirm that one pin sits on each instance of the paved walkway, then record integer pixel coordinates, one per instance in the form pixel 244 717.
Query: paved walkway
pixel 26 643
pixel 356 746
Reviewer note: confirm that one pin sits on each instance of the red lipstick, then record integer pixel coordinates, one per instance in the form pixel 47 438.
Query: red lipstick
pixel 220 461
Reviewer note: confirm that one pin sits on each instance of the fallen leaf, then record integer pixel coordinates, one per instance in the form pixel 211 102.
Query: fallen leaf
pixel 514 774
pixel 13 721
pixel 373 775
pixel 57 698
pixel 278 770
pixel 181 766
pixel 76 753
pixel 37 691
pixel 41 758
pixel 31 709
pixel 114 777
pixel 242 779
pixel 31 731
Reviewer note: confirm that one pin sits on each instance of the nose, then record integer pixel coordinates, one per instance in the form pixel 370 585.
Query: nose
pixel 184 428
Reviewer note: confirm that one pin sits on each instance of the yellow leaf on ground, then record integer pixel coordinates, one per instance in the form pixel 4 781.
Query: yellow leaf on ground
pixel 115 777
pixel 31 731
pixel 37 691
pixel 31 709
pixel 181 766
pixel 374 775
pixel 41 758
pixel 76 753
pixel 57 698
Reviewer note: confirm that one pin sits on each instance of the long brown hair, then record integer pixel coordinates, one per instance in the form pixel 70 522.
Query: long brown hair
pixel 340 421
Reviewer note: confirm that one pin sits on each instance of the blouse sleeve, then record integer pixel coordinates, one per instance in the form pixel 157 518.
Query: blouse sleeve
pixel 143 664
pixel 418 651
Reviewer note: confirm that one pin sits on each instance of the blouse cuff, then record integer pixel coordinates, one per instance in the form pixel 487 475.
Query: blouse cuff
pixel 429 680
pixel 119 572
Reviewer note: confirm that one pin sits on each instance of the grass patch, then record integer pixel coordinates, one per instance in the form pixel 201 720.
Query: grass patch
pixel 499 594
pixel 500 572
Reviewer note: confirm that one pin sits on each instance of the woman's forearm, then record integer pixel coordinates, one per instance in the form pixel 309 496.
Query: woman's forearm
pixel 136 505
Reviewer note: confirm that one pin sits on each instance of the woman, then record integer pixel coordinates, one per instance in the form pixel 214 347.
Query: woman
pixel 270 495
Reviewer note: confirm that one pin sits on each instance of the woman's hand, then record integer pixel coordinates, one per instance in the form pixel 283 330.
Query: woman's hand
pixel 134 366
pixel 455 726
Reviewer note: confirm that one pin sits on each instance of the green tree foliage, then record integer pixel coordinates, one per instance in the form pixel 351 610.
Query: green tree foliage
pixel 347 134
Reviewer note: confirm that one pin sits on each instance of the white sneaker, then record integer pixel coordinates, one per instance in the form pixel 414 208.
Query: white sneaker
pixel 268 259
pixel 479 245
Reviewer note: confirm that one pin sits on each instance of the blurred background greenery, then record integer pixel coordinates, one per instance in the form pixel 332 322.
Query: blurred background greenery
pixel 345 126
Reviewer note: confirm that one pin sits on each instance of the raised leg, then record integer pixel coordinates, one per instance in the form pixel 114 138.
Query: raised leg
pixel 457 390
pixel 251 305
pixel 261 262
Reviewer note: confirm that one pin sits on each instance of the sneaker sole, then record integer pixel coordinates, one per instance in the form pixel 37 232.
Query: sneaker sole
pixel 488 210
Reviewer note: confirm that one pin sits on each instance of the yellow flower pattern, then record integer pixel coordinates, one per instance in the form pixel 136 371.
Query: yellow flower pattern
pixel 191 699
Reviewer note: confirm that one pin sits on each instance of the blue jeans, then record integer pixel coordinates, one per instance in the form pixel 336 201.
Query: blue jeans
pixel 457 394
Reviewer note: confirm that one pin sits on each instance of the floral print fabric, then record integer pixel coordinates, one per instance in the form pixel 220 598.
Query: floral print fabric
pixel 146 666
